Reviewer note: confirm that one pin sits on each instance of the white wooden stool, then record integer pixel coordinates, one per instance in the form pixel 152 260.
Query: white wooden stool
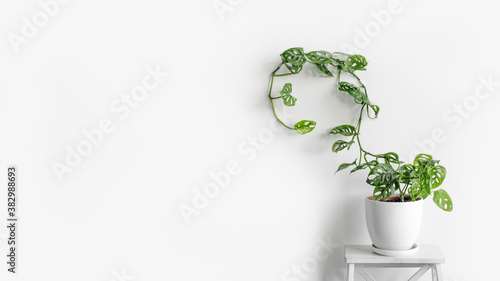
pixel 359 257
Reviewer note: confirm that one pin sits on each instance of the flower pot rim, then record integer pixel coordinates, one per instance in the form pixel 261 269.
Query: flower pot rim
pixel 370 198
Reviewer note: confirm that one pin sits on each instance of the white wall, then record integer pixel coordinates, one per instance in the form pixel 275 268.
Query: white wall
pixel 116 215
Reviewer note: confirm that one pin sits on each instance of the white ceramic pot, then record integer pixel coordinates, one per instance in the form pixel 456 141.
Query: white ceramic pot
pixel 393 226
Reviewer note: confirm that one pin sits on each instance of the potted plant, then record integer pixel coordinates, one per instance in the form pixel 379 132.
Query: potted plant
pixel 398 188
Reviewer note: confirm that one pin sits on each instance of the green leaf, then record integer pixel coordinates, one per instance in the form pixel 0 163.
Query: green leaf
pixel 380 193
pixel 324 69
pixel 287 88
pixel 319 57
pixel 392 157
pixel 425 183
pixel 405 173
pixel 437 175
pixel 364 165
pixel 421 157
pixel 340 145
pixel 344 166
pixel 293 68
pixel 345 130
pixel 355 62
pixel 375 109
pixel 416 190
pixel 443 200
pixel 354 91
pixel 339 57
pixel 293 59
pixel 381 175
pixel 288 99
pixel 294 56
pixel 305 126
pixel 406 168
pixel 358 168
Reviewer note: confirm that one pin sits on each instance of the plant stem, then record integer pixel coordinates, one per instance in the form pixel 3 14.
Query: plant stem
pixel 272 98
pixel 362 85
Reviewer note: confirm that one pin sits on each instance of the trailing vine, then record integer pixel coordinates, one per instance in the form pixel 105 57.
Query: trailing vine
pixel 386 172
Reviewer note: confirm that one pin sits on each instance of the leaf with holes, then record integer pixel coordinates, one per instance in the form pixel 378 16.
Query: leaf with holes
pixel 406 168
pixel 344 166
pixel 424 181
pixel 437 175
pixel 381 175
pixel 443 200
pixel 287 89
pixel 380 193
pixel 355 62
pixel 345 130
pixel 305 126
pixel 392 157
pixel 416 190
pixel 421 157
pixel 354 91
pixel 293 68
pixel 288 99
pixel 294 56
pixel 405 173
pixel 324 69
pixel 340 145
pixel 319 57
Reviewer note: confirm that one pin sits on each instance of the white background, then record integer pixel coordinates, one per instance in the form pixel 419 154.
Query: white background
pixel 116 215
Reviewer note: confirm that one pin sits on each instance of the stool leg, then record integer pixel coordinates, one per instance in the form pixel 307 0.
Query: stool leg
pixel 420 273
pixel 350 272
pixel 437 274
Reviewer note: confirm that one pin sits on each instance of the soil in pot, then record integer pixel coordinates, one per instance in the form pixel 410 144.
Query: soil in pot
pixel 396 198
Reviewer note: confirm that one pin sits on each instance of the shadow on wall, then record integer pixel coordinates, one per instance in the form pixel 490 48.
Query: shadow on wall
pixel 346 224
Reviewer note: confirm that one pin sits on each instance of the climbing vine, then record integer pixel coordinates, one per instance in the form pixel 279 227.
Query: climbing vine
pixel 387 174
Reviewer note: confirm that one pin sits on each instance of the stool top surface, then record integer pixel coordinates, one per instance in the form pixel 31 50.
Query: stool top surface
pixel 365 254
